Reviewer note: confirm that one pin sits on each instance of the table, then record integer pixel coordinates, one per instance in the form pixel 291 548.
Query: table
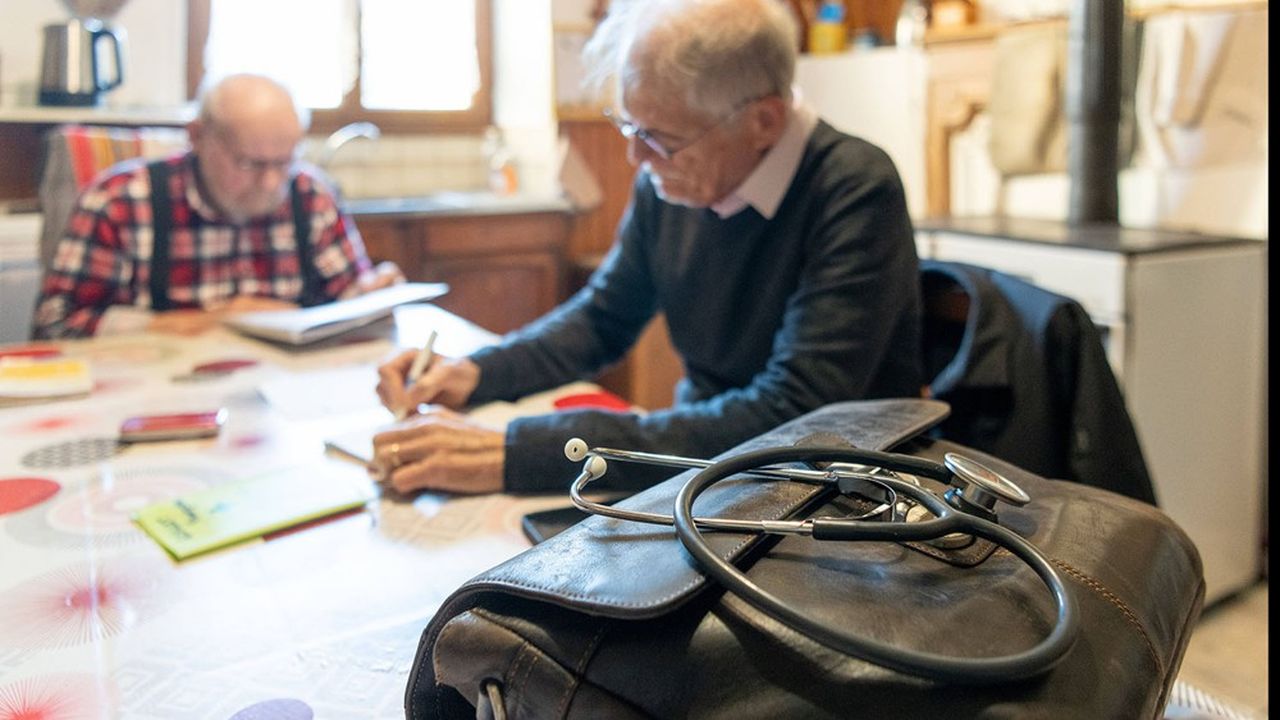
pixel 96 621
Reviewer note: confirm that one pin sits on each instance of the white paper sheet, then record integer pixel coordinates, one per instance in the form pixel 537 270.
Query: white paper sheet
pixel 307 325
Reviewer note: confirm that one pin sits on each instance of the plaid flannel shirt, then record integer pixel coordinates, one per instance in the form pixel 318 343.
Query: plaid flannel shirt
pixel 104 256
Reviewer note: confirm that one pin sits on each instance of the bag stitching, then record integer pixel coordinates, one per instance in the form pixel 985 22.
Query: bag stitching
pixel 527 658
pixel 580 669
pixel 1115 600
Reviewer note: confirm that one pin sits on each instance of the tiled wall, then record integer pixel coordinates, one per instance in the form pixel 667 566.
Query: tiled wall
pixel 406 165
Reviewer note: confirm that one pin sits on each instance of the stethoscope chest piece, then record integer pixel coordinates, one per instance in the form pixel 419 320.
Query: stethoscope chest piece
pixel 975 488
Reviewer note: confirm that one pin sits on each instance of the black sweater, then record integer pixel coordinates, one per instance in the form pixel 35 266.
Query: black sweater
pixel 771 318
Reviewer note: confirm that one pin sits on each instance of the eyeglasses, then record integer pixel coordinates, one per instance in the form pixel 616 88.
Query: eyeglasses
pixel 257 166
pixel 631 130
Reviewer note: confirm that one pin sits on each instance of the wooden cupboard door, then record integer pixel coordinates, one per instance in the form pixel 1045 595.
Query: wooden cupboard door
pixel 389 239
pixel 494 234
pixel 498 293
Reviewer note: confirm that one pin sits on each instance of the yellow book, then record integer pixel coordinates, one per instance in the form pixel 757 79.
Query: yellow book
pixel 248 509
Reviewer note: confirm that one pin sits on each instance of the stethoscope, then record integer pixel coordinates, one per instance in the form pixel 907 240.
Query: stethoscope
pixel 966 508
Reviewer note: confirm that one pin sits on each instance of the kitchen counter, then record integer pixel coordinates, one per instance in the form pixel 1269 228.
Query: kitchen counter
pixel 1105 237
pixel 444 204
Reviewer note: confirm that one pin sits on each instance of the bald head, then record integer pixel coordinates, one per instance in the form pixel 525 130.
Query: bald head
pixel 249 101
pixel 244 138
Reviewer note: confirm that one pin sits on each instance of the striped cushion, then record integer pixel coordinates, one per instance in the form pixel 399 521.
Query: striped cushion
pixel 76 154
pixel 92 149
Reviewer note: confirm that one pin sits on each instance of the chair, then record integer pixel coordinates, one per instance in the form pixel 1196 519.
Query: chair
pixel 1027 378
pixel 75 154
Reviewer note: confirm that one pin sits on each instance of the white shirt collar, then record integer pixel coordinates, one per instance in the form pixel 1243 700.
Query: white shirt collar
pixel 765 187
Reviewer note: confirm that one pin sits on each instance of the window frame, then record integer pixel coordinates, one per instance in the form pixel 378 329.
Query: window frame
pixel 475 119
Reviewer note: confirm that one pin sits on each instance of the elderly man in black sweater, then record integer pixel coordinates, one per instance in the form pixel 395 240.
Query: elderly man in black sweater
pixel 779 249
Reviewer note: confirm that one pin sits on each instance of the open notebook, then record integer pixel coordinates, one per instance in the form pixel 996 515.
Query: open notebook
pixel 307 325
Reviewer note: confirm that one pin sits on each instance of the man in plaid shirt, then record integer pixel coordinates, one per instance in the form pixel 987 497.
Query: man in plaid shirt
pixel 221 237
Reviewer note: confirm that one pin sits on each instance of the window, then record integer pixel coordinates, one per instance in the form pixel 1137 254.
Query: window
pixel 407 65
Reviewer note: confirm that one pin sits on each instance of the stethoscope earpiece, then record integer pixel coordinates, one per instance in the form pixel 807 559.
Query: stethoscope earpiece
pixel 575 449
pixel 596 467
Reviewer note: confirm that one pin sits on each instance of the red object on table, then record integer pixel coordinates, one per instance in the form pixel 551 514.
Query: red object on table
pixel 20 493
pixel 223 366
pixel 34 352
pixel 602 400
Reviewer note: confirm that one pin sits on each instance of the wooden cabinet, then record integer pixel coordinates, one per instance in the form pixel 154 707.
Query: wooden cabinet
pixel 503 270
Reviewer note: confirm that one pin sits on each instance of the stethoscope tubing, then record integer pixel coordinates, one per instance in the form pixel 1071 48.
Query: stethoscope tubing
pixel 825 477
pixel 1036 660
pixel 892 461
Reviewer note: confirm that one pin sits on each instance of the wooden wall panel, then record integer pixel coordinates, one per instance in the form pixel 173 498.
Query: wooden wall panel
pixel 604 151
pixel 21 145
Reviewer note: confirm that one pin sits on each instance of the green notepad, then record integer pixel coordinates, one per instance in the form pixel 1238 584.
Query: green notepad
pixel 243 510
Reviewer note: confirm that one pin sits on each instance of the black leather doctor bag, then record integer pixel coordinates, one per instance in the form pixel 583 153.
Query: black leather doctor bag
pixel 865 572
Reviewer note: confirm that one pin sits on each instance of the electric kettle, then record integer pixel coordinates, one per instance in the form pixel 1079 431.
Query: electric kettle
pixel 72 68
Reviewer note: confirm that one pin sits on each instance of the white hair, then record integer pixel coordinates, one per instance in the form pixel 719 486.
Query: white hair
pixel 718 53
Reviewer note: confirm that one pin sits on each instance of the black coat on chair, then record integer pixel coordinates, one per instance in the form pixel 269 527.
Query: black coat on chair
pixel 1027 378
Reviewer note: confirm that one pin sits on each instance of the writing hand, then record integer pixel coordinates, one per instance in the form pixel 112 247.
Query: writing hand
pixel 441 450
pixel 447 381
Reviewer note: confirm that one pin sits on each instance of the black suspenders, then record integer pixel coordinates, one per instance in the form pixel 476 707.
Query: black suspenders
pixel 161 224
pixel 162 227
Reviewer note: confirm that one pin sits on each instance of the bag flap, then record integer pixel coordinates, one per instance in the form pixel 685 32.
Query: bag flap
pixel 630 570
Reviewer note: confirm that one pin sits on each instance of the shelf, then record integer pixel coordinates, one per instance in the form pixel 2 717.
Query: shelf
pixel 45 115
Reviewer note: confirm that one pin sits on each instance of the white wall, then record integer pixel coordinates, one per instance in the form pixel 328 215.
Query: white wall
pixel 524 105
pixel 878 95
pixel 154 55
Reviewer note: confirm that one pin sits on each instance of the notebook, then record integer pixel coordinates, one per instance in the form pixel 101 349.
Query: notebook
pixel 308 325
pixel 247 509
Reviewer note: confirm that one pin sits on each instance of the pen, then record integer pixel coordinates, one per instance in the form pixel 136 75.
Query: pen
pixel 420 364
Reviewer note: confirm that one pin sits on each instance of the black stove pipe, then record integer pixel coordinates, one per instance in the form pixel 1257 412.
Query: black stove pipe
pixel 1093 79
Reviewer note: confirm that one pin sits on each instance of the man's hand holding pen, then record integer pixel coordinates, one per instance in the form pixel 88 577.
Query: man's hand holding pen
pixel 439 448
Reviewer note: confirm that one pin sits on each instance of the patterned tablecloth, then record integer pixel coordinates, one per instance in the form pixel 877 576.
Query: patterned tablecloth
pixel 96 621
